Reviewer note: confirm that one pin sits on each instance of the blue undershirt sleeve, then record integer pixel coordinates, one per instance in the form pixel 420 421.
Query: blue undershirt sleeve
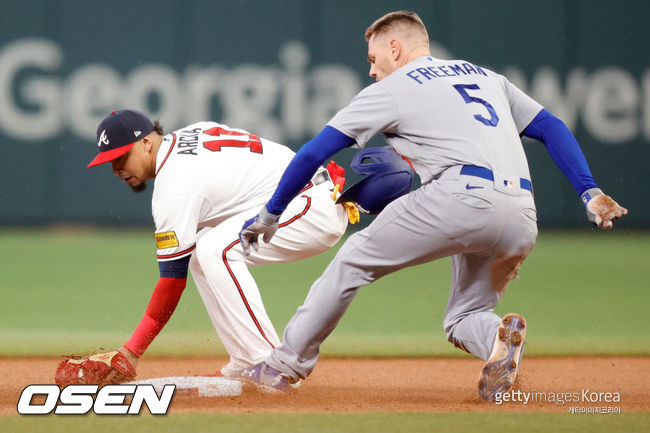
pixel 563 148
pixel 304 164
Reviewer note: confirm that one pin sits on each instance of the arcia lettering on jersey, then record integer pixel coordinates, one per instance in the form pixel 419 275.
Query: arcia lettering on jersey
pixel 442 71
pixel 188 140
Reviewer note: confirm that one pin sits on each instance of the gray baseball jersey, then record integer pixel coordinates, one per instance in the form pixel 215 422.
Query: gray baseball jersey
pixel 445 116
pixel 421 108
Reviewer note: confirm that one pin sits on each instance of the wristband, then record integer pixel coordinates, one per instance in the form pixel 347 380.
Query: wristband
pixel 589 194
pixel 267 217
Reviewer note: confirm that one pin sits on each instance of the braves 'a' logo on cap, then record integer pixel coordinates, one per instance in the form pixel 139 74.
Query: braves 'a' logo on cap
pixel 103 139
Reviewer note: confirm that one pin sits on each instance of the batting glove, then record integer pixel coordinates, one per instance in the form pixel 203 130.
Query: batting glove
pixel 264 223
pixel 602 210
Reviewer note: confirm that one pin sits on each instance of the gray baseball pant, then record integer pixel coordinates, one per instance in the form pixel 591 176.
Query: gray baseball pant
pixel 487 231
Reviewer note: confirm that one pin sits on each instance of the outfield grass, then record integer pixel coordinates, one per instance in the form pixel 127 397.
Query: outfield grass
pixel 461 422
pixel 69 291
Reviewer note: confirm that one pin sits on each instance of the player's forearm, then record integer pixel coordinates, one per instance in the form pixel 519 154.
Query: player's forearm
pixel 161 306
pixel 563 149
pixel 304 164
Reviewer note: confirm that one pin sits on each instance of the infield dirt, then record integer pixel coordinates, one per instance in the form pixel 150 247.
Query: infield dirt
pixel 386 385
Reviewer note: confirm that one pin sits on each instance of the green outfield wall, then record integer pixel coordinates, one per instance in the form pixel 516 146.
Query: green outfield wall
pixel 281 69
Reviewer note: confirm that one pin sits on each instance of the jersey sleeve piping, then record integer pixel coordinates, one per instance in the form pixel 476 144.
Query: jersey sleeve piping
pixel 177 255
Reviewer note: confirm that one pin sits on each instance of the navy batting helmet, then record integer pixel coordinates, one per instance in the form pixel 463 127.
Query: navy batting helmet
pixel 388 176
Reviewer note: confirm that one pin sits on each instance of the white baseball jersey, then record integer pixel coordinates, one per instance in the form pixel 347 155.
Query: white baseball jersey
pixel 489 110
pixel 205 173
pixel 212 177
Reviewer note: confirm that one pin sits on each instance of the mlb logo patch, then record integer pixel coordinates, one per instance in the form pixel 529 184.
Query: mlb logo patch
pixel 508 184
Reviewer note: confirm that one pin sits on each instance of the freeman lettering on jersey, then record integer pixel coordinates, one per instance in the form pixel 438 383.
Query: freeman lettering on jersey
pixel 188 140
pixel 442 71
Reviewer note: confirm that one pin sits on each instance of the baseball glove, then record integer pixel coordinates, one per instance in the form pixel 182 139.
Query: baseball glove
pixel 98 369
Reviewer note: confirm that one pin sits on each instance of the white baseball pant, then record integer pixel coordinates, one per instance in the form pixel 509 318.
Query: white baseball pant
pixel 312 224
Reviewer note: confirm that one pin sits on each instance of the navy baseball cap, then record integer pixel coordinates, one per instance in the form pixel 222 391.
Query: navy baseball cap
pixel 118 132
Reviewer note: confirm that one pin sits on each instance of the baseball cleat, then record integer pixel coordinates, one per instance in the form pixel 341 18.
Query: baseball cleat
pixel 267 378
pixel 500 370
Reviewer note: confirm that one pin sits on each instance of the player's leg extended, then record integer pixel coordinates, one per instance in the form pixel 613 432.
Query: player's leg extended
pixel 406 233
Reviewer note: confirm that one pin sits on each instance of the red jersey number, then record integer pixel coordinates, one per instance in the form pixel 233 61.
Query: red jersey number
pixel 253 143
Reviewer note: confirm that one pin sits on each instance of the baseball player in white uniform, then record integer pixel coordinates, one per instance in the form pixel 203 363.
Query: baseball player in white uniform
pixel 208 180
pixel 459 124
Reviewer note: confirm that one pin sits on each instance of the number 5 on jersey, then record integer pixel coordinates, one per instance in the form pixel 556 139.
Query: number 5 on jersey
pixel 229 138
pixel 462 89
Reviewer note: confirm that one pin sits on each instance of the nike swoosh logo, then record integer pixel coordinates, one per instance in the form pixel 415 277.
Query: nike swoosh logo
pixel 468 186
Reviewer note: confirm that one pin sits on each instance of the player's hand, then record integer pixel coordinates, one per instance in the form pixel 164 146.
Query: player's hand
pixel 264 223
pixel 602 210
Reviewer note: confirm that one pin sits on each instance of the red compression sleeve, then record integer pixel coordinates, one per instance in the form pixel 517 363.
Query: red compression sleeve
pixel 162 304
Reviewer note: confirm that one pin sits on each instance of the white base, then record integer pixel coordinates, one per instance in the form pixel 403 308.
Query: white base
pixel 200 386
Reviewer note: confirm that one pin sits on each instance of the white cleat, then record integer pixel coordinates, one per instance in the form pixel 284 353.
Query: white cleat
pixel 500 370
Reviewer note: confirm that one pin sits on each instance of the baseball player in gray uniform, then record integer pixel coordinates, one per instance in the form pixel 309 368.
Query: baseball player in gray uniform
pixel 459 124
